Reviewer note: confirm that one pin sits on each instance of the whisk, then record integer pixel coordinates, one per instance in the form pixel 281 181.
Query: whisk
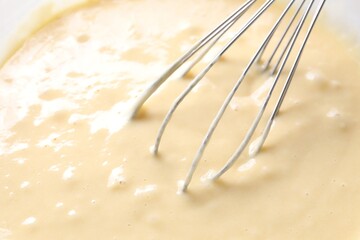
pixel 302 10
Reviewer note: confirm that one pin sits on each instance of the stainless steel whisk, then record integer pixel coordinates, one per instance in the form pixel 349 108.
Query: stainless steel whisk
pixel 303 10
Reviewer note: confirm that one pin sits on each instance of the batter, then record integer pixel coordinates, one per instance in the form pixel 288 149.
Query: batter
pixel 72 167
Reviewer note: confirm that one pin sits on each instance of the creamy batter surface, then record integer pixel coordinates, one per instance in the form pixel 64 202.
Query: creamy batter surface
pixel 71 167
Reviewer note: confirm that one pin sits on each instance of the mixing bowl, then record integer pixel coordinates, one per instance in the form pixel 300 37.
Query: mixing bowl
pixel 17 13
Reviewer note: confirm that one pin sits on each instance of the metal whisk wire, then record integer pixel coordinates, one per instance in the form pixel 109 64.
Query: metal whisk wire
pixel 189 54
pixel 210 40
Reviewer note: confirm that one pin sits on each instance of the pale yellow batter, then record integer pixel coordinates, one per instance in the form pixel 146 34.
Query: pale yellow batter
pixel 71 167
